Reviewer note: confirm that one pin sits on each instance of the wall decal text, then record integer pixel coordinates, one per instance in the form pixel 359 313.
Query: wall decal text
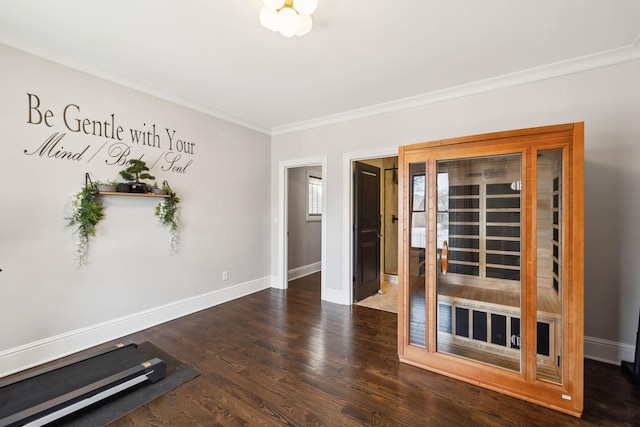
pixel 108 139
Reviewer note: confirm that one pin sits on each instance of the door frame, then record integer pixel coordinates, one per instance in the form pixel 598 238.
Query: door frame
pixel 348 160
pixel 282 280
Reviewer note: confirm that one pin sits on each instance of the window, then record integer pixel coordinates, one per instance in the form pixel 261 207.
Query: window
pixel 314 197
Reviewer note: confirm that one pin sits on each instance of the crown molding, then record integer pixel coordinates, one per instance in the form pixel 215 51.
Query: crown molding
pixel 70 60
pixel 550 71
pixel 558 69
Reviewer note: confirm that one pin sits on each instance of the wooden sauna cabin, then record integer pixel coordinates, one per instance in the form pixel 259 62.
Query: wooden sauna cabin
pixel 491 277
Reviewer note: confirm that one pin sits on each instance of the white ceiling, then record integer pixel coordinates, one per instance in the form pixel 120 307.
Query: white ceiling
pixel 361 58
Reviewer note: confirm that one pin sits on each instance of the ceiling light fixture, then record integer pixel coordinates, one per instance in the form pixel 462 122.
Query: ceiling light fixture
pixel 289 17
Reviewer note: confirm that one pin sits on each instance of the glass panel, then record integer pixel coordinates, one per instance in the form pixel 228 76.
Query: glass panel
pixel 418 222
pixel 417 284
pixel 443 210
pixel 549 271
pixel 478 275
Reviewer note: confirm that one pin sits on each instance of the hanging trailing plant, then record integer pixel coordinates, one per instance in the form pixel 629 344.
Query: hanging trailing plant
pixel 167 213
pixel 86 213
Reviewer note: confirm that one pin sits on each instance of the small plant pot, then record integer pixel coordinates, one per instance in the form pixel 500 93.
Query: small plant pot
pixel 159 191
pixel 139 187
pixel 106 188
pixel 123 187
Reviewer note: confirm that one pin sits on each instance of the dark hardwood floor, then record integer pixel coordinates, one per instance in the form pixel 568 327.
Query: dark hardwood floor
pixel 287 358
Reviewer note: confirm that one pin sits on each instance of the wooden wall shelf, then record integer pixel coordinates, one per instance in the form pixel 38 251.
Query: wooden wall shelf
pixel 119 193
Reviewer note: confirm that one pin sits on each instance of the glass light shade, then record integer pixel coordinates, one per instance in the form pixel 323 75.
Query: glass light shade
pixel 304 25
pixel 273 4
pixel 269 18
pixel 287 22
pixel 305 7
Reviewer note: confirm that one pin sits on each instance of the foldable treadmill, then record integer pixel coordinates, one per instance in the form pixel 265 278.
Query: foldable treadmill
pixel 40 396
pixel 633 368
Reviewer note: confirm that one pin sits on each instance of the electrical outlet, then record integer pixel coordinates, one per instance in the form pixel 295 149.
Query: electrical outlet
pixel 225 275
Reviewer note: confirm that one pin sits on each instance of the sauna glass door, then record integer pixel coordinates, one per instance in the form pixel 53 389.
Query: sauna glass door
pixel 478 258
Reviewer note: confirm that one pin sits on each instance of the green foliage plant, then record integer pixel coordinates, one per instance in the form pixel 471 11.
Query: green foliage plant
pixel 136 171
pixel 167 213
pixel 86 213
pixel 112 182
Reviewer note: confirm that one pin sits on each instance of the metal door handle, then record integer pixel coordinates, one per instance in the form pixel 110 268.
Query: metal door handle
pixel 394 219
pixel 444 257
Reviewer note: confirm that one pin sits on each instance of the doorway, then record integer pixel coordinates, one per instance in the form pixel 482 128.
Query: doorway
pixel 281 220
pixel 304 221
pixel 390 222
pixel 375 232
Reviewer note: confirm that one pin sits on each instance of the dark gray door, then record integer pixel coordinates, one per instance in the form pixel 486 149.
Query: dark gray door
pixel 366 280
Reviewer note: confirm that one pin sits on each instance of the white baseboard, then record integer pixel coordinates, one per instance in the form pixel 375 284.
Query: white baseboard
pixel 275 282
pixel 305 270
pixel 42 351
pixel 607 351
pixel 335 296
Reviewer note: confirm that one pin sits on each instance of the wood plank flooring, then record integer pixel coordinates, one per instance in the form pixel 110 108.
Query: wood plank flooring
pixel 286 358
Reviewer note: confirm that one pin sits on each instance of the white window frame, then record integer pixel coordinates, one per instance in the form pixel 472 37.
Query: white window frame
pixel 314 197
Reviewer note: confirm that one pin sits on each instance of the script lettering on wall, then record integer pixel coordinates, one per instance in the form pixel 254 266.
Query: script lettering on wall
pixel 107 139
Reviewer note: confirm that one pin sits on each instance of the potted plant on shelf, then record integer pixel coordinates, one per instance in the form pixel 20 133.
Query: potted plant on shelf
pixel 134 173
pixel 108 186
pixel 86 213
pixel 158 190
